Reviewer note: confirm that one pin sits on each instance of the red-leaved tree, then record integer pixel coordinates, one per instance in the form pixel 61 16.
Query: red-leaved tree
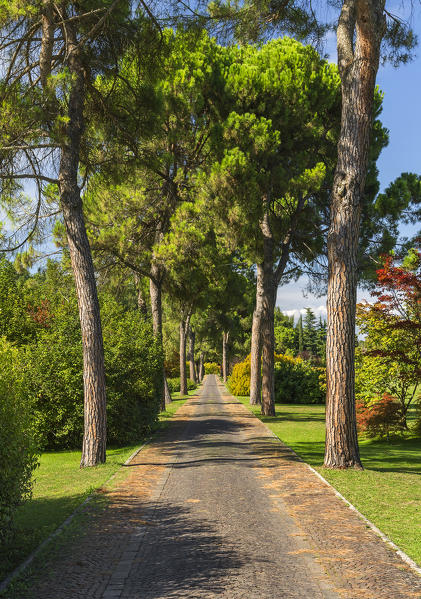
pixel 392 326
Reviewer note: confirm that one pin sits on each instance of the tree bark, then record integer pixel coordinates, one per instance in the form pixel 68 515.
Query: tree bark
pixel 47 44
pixel 267 326
pixel 192 363
pixel 141 302
pixel 225 338
pixel 256 342
pixel 95 431
pixel 201 366
pixel 184 325
pixel 155 291
pixel 358 61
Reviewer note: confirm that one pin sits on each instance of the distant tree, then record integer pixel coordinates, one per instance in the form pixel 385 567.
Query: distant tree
pixel 270 168
pixel 310 332
pixel 286 340
pixel 321 340
pixel 300 333
pixel 155 178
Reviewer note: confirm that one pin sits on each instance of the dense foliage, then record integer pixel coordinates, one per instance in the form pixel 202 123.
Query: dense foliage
pixel 382 418
pixel 50 360
pixel 174 384
pixel 18 452
pixel 389 360
pixel 305 338
pixel 239 381
pixel 296 380
pixel 212 368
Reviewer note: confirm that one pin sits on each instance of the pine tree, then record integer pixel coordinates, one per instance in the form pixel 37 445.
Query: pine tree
pixel 300 335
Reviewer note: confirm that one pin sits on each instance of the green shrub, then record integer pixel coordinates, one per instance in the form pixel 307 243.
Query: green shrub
pixel 297 381
pixel 239 381
pixel 174 384
pixel 133 363
pixel 212 368
pixel 18 454
pixel 54 380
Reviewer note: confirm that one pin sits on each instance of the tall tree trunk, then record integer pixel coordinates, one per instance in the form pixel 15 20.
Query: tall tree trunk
pixel 225 338
pixel 155 291
pixel 201 366
pixel 358 61
pixel 256 341
pixel 184 325
pixel 192 363
pixel 47 45
pixel 95 424
pixel 268 325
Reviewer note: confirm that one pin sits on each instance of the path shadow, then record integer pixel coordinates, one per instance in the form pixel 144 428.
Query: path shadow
pixel 181 555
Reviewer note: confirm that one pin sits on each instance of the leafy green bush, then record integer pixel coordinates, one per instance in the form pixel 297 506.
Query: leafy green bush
pixel 239 381
pixel 212 368
pixel 133 363
pixel 297 381
pixel 53 376
pixel 174 384
pixel 18 454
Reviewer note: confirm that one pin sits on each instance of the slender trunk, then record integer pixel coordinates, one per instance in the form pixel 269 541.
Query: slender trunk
pixel 155 290
pixel 47 45
pixel 141 301
pixel 201 366
pixel 256 342
pixel 184 325
pixel 192 364
pixel 225 338
pixel 362 21
pixel 267 331
pixel 95 426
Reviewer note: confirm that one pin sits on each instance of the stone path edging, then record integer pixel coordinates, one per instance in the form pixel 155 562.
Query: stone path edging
pixel 22 567
pixel 409 561
pixel 25 564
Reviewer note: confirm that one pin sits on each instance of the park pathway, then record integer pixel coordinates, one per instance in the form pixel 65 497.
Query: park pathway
pixel 217 507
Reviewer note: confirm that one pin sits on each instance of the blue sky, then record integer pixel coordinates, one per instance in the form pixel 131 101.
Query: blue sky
pixel 402 116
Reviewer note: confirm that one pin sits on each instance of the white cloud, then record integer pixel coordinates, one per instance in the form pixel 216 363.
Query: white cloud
pixel 318 311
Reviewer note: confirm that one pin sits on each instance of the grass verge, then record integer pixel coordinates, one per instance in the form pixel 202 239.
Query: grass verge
pixel 59 487
pixel 387 491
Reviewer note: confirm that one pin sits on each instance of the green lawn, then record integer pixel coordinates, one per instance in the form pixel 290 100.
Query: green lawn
pixel 60 486
pixel 387 492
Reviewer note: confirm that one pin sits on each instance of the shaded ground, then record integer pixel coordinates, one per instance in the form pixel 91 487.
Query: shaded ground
pixel 219 508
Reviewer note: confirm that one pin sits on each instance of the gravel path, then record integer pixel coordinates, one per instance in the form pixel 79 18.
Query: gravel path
pixel 216 507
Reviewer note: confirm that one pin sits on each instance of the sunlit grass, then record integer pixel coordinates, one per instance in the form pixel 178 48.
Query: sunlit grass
pixel 387 492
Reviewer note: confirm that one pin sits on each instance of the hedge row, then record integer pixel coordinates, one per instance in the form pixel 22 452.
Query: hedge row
pixel 174 384
pixel 18 452
pixel 296 381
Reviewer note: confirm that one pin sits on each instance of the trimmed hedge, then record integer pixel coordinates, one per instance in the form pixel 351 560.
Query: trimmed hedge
pixel 239 381
pixel 174 384
pixel 18 453
pixel 296 381
pixel 212 368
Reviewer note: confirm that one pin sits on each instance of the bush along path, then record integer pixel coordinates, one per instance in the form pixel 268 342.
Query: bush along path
pixel 217 507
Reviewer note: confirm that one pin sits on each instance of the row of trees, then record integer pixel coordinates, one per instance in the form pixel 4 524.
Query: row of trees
pixel 306 338
pixel 197 162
